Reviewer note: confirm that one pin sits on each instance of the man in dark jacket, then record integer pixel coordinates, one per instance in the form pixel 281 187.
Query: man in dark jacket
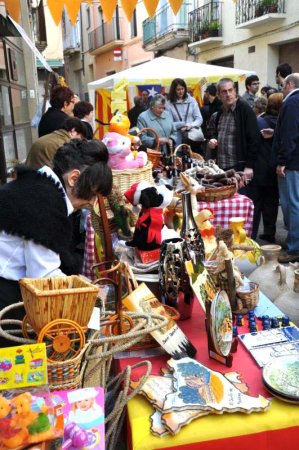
pixel 134 112
pixel 236 132
pixel 286 151
pixel 62 100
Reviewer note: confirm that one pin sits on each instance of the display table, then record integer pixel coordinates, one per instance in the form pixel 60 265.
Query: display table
pixel 275 429
pixel 236 206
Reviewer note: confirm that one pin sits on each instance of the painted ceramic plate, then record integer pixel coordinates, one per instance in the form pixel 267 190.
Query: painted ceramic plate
pixel 281 374
pixel 221 323
pixel 281 397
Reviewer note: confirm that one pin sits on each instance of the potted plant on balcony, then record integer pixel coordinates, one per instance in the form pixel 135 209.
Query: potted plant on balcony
pixel 214 28
pixel 270 6
pixel 204 30
pixel 259 9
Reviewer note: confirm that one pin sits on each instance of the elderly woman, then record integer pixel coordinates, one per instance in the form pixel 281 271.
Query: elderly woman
pixel 159 120
pixel 184 111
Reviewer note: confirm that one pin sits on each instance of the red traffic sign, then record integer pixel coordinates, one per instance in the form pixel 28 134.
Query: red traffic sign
pixel 117 54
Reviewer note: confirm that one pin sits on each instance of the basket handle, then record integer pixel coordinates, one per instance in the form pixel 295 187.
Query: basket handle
pixel 154 133
pixel 130 279
pixel 183 145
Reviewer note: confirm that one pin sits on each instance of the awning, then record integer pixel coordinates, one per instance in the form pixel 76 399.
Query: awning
pixel 7 28
pixel 29 42
pixel 53 63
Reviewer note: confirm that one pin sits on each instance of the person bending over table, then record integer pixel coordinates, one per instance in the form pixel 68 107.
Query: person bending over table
pixel 35 231
pixel 160 121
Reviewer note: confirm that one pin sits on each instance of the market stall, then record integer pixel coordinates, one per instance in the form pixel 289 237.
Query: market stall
pixel 116 92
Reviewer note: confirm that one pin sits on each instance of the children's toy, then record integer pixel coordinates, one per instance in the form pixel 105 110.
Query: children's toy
pixel 120 123
pixel 25 419
pixel 74 436
pixel 148 230
pixel 120 155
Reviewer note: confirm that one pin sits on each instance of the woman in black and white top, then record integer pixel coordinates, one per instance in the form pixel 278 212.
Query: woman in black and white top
pixel 184 111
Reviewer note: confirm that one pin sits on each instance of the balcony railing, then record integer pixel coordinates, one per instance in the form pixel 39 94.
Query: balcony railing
pixel 247 10
pixel 104 34
pixel 206 22
pixel 165 22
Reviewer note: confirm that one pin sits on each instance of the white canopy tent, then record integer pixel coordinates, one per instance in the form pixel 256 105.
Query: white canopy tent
pixel 163 69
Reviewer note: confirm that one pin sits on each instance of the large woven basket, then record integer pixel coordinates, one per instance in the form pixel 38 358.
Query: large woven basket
pixel 125 178
pixel 217 193
pixel 48 299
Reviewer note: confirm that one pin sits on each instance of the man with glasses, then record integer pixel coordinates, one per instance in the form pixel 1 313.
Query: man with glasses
pixel 252 85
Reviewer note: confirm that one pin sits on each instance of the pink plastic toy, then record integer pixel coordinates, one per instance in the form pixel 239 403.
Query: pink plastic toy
pixel 75 437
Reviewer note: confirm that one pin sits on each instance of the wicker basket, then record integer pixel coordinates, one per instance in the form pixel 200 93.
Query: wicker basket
pixel 125 178
pixel 66 374
pixel 250 298
pixel 192 154
pixel 153 155
pixel 217 193
pixel 48 299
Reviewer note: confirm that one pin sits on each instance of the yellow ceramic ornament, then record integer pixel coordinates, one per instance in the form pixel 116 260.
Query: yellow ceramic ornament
pixel 245 261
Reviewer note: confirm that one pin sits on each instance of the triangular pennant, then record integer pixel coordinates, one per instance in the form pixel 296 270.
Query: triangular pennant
pixel 108 7
pixel 151 6
pixel 56 8
pixel 13 7
pixel 175 5
pixel 72 7
pixel 128 7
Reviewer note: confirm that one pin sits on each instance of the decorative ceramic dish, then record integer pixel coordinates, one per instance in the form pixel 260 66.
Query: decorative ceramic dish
pixel 221 323
pixel 281 375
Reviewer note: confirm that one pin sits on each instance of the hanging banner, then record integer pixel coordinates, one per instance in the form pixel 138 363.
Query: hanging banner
pixel 108 7
pixel 13 7
pixel 128 7
pixel 103 110
pixel 150 6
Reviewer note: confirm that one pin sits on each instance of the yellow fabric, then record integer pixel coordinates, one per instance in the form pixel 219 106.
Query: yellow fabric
pixel 108 7
pixel 72 7
pixel 151 6
pixel 128 7
pixel 279 416
pixel 56 8
pixel 13 7
pixel 175 5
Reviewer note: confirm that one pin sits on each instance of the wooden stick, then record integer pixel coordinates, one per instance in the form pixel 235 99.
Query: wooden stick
pixel 231 283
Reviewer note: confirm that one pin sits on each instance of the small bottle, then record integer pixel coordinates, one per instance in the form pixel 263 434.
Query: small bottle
pixel 285 321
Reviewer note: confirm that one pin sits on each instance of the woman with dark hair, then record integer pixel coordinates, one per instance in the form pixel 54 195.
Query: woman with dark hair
pixel 35 231
pixel 84 112
pixel 184 111
pixel 62 101
pixel 263 188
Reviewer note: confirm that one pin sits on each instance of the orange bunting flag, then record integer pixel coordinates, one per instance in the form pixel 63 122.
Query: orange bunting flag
pixel 108 7
pixel 128 7
pixel 73 7
pixel 13 7
pixel 175 5
pixel 56 8
pixel 151 6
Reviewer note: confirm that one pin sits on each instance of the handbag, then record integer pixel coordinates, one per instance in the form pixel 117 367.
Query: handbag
pixel 195 134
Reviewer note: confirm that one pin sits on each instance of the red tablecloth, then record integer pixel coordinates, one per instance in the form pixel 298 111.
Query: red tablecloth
pixel 276 429
pixel 223 210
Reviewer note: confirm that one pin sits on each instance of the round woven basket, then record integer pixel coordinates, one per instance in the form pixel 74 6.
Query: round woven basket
pixel 250 298
pixel 217 193
pixel 125 178
pixel 153 155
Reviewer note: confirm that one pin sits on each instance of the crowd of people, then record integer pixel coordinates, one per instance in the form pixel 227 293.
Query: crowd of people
pixel 65 168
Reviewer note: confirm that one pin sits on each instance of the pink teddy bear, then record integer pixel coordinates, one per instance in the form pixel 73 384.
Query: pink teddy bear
pixel 120 155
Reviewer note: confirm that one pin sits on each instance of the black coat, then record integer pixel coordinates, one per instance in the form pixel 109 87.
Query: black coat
pixel 133 115
pixel 247 135
pixel 264 172
pixel 52 120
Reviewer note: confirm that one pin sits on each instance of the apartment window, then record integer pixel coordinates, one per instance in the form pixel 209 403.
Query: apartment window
pixel 88 17
pixel 133 24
